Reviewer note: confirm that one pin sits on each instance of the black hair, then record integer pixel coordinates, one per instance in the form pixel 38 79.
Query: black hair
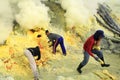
pixel 97 34
pixel 46 31
pixel 32 30
pixel 96 37
pixel 38 35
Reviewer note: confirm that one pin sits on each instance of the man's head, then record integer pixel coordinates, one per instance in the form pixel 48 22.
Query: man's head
pixel 47 32
pixel 99 34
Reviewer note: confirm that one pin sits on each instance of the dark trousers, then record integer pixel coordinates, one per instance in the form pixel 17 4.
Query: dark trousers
pixel 86 57
pixel 61 42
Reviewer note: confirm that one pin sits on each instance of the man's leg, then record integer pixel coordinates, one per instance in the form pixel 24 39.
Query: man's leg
pixel 100 55
pixel 84 62
pixel 32 62
pixel 55 46
pixel 62 46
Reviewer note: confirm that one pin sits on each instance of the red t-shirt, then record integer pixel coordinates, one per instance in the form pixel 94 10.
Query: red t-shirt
pixel 88 45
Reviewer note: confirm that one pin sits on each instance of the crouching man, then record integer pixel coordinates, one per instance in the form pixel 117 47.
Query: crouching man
pixel 30 53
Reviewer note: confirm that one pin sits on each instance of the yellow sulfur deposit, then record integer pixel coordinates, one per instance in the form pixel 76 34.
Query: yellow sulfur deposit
pixel 12 54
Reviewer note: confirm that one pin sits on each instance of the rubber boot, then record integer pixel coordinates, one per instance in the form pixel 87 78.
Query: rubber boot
pixel 104 65
pixel 79 68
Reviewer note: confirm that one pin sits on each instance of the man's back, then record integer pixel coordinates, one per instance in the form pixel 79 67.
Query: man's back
pixel 53 36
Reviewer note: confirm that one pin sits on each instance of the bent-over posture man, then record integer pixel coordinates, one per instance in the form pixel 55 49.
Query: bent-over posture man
pixel 30 53
pixel 56 39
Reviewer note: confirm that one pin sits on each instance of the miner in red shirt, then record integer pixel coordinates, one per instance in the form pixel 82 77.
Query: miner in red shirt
pixel 89 51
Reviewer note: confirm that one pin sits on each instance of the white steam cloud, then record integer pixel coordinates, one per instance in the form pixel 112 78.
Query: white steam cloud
pixel 79 11
pixel 28 13
pixel 32 13
pixel 6 19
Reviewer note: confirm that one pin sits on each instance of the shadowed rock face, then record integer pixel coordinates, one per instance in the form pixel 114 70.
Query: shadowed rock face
pixel 56 13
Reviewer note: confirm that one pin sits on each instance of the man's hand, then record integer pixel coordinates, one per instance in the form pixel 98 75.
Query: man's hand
pixel 96 58
pixel 48 41
pixel 53 52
